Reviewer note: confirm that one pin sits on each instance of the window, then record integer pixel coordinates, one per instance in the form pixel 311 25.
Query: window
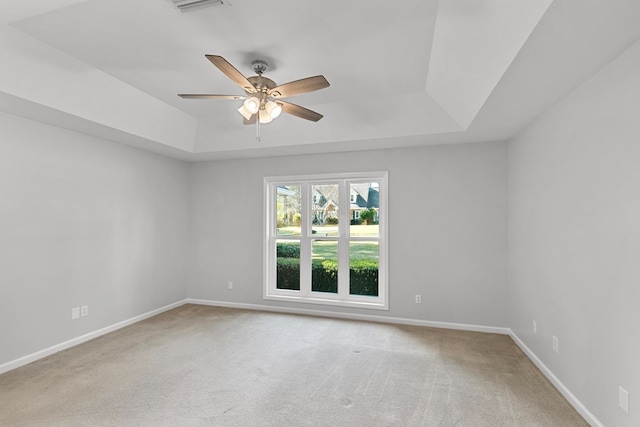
pixel 322 248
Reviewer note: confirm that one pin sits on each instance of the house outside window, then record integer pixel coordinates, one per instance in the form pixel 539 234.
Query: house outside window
pixel 315 250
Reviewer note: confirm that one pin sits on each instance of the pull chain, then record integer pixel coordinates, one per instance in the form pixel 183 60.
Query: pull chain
pixel 258 127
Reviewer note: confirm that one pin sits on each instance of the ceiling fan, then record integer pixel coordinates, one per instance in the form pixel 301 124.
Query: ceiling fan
pixel 263 97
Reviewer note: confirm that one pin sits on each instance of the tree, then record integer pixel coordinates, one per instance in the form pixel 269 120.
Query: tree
pixel 368 215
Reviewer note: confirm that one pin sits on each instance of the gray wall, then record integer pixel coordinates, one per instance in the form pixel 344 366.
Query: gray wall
pixel 84 222
pixel 574 239
pixel 447 225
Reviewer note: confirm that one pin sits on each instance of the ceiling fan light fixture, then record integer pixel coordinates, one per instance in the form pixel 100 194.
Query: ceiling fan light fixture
pixel 252 104
pixel 273 108
pixel 245 113
pixel 264 116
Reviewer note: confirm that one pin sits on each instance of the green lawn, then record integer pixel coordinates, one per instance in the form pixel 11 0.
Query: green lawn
pixel 323 249
pixel 332 230
pixel 358 250
pixel 288 231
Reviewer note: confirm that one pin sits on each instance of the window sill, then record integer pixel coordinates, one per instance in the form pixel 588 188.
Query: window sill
pixel 318 299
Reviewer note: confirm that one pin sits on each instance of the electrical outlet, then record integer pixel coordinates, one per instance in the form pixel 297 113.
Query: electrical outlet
pixel 230 285
pixel 84 310
pixel 535 327
pixel 418 299
pixel 623 399
pixel 555 343
pixel 75 313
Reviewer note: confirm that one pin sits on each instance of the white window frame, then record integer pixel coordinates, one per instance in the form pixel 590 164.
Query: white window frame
pixel 305 294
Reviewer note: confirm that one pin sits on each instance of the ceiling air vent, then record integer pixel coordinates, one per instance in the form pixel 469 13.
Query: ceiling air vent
pixel 189 5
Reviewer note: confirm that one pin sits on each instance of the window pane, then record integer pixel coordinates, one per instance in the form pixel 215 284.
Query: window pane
pixel 288 264
pixel 288 219
pixel 324 209
pixel 364 208
pixel 324 266
pixel 363 268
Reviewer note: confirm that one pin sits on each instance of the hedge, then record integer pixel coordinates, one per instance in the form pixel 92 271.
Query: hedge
pixel 288 271
pixel 288 250
pixel 324 276
pixel 363 276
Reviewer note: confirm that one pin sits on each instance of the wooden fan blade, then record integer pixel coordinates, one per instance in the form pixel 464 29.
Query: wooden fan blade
pixel 251 121
pixel 231 72
pixel 296 87
pixel 298 111
pixel 209 96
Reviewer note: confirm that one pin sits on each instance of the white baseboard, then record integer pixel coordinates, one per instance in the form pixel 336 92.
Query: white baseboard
pixel 353 316
pixel 582 410
pixel 5 367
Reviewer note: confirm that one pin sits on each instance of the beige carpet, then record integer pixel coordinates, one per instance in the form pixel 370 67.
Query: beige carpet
pixel 207 366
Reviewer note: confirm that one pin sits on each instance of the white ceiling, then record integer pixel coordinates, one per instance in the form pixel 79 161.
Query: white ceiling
pixel 405 73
